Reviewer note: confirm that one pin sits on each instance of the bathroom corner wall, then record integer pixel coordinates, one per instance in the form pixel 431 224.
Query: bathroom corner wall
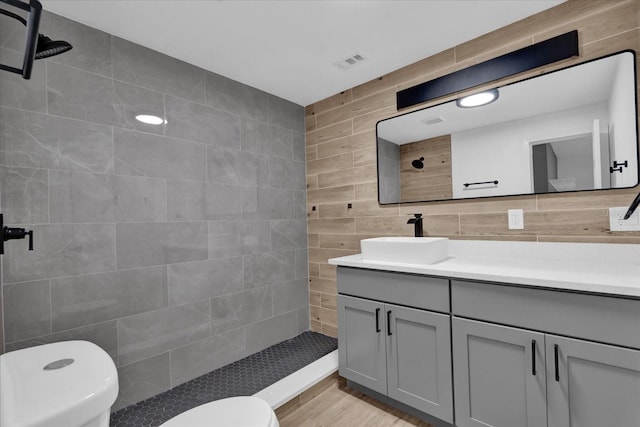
pixel 341 156
pixel 176 248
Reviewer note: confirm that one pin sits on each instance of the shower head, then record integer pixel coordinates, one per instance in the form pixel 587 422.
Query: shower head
pixel 47 47
pixel 37 46
pixel 417 163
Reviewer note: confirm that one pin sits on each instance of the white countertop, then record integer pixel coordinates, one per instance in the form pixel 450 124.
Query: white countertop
pixel 586 267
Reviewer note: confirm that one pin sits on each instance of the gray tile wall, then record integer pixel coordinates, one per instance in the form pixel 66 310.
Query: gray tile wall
pixel 176 248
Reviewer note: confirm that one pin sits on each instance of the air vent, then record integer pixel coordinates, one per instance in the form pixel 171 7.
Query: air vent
pixel 432 120
pixel 349 62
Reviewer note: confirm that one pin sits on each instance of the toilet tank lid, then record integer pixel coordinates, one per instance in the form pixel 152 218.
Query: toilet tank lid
pixel 241 411
pixel 33 396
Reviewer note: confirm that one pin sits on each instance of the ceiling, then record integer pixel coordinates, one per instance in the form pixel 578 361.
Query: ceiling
pixel 289 48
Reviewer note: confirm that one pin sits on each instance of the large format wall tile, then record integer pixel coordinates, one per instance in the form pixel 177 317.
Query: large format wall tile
pixel 195 122
pixel 27 312
pixel 87 197
pixel 41 141
pixel 142 66
pixel 11 34
pixel 240 309
pixel 62 250
pixel 140 230
pixel 233 238
pixel 139 153
pixel 302 263
pixel 285 173
pixel 288 234
pixel 131 101
pixel 271 331
pixel 147 334
pixel 264 138
pixel 268 268
pixel 285 113
pixel 204 356
pixel 235 97
pixel 289 296
pixel 270 203
pixel 81 95
pixel 198 201
pixel 193 281
pixel 299 146
pixel 145 244
pixel 104 335
pixel 17 92
pixel 140 380
pixel 85 300
pixel 91 48
pixel 235 167
pixel 24 195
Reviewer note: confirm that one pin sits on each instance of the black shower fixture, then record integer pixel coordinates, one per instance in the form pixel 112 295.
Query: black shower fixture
pixel 418 163
pixel 37 45
pixel 47 47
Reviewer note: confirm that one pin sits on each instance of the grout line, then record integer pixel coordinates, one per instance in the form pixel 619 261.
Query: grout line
pixel 46 87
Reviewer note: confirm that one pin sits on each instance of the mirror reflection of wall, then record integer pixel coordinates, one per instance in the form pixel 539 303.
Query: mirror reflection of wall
pixel 388 171
pixel 568 164
pixel 431 179
pixel 585 115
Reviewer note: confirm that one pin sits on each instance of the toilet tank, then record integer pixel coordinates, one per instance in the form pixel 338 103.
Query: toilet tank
pixel 77 387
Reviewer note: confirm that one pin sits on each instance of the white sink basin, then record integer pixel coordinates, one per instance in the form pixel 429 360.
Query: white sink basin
pixel 406 250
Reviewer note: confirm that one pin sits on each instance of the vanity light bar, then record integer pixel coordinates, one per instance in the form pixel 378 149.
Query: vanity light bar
pixel 546 52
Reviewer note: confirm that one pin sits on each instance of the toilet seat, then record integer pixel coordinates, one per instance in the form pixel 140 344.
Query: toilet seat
pixel 242 411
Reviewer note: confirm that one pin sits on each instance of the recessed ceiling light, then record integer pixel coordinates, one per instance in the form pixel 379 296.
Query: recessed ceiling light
pixel 150 120
pixel 478 99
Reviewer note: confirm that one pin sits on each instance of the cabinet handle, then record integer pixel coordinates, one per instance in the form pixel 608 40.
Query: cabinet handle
pixel 533 358
pixel 555 357
pixel 389 323
pixel 377 320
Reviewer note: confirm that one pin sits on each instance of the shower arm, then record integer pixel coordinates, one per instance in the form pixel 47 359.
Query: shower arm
pixel 34 8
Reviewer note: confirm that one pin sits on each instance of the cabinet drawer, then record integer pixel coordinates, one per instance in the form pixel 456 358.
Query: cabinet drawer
pixel 405 289
pixel 592 317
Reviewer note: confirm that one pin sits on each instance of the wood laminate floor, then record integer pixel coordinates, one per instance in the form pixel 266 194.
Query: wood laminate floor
pixel 340 406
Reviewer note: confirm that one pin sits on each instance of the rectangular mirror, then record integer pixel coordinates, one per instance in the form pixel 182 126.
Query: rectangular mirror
pixel 573 129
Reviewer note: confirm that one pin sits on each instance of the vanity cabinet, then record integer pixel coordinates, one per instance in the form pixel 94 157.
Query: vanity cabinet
pixel 398 351
pixel 516 377
pixel 401 352
pixel 362 342
pixel 511 377
pixel 500 378
pixel 519 356
pixel 594 384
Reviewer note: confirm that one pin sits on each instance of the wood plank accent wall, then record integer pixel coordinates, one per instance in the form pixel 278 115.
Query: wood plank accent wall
pixel 341 155
pixel 433 182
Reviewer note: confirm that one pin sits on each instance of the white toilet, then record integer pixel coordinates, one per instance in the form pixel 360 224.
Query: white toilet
pixel 244 411
pixel 74 384
pixel 65 384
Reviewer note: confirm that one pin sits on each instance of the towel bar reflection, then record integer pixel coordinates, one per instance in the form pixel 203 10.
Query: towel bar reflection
pixel 467 184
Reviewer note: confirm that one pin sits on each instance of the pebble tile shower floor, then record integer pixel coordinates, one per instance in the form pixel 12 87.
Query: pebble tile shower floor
pixel 242 378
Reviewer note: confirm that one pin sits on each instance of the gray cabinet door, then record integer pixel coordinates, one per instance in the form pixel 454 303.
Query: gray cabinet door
pixel 419 360
pixel 594 385
pixel 496 383
pixel 361 341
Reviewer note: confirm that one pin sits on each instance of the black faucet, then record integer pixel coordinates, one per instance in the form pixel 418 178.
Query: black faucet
pixel 633 207
pixel 417 223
